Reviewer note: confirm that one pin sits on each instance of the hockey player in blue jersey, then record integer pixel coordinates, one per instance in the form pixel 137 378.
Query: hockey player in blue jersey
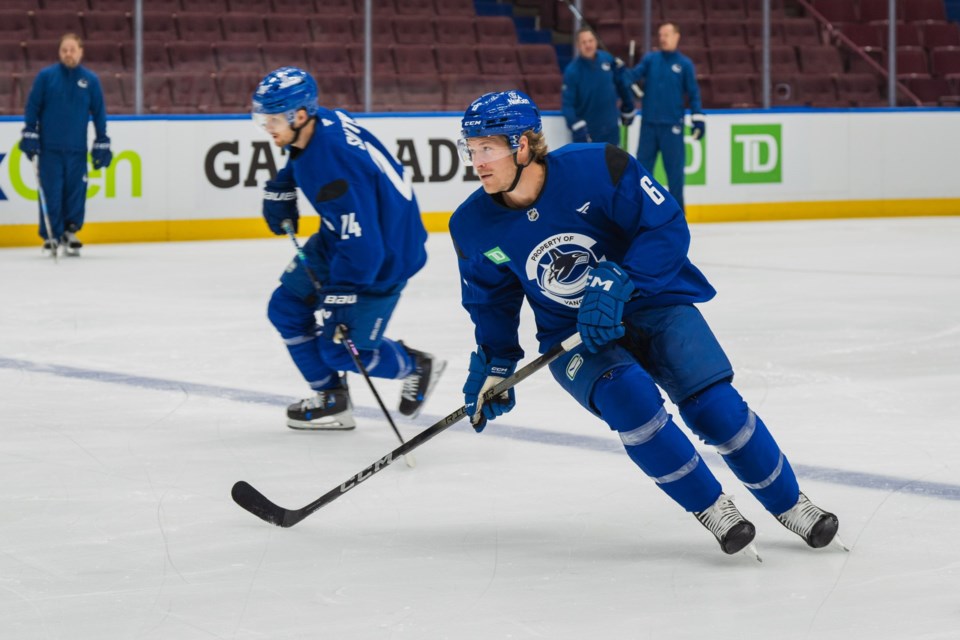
pixel 595 246
pixel 371 241
pixel 667 77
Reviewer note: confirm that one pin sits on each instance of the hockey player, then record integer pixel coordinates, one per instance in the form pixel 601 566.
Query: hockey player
pixel 667 77
pixel 596 246
pixel 592 83
pixel 371 241
pixel 62 100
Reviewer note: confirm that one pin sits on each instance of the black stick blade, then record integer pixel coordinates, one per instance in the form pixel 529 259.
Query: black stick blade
pixel 258 504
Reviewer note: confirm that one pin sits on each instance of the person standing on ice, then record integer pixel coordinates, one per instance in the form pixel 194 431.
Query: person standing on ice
pixel 57 116
pixel 371 241
pixel 596 246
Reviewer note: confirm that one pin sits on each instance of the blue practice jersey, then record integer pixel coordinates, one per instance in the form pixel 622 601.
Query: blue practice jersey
pixel 60 105
pixel 597 203
pixel 666 78
pixel 371 233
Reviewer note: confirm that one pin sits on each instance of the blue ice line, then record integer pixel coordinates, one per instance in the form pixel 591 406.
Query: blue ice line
pixel 610 444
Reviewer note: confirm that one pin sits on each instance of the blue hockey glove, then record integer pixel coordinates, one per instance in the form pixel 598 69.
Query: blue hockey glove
pixel 601 308
pixel 100 153
pixel 698 126
pixel 30 142
pixel 626 117
pixel 485 372
pixel 339 308
pixel 580 131
pixel 279 204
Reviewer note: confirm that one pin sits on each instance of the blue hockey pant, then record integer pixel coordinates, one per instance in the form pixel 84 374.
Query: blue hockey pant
pixel 292 310
pixel 673 348
pixel 666 139
pixel 63 178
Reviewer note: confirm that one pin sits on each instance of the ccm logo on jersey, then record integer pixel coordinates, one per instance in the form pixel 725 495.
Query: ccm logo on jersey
pixel 280 195
pixel 334 298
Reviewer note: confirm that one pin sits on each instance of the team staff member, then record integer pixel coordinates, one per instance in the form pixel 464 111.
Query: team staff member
pixel 668 79
pixel 592 84
pixel 62 100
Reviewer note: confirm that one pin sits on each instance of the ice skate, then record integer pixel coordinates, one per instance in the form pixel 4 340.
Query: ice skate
pixel 727 524
pixel 330 409
pixel 71 243
pixel 50 247
pixel 817 527
pixel 418 386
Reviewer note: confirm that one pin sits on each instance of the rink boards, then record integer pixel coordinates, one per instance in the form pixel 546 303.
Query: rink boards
pixel 200 177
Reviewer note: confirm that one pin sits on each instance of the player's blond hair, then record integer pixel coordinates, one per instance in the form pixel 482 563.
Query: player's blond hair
pixel 538 145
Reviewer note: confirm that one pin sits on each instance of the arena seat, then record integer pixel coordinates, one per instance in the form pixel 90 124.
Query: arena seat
pixel 422 8
pixel 103 57
pixel 837 10
pixel 753 29
pixel 412 30
pixel 496 60
pixel 287 29
pixel 456 59
pixel 450 8
pixel 53 24
pixel 492 30
pixel 382 62
pixel 107 26
pixel 339 91
pixel 820 59
pixel 684 11
pixel 736 60
pixel 731 91
pixel 732 10
pixel 860 90
pixel 329 29
pixel 415 59
pixel 236 89
pixel 238 56
pixel 155 58
pixel 15 25
pixel 924 11
pixel 783 60
pixel 218 7
pixel 801 32
pixel 937 34
pixel 545 89
pixel 537 58
pixel 257 7
pixel 945 62
pixel 159 26
pixel 332 57
pixel 192 56
pixel 199 27
pixel 421 92
pixel 285 54
pixel 13 58
pixel 454 30
pixel 243 27
pixel 40 53
pixel 725 34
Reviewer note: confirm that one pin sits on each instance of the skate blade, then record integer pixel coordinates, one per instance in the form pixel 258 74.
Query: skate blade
pixel 837 542
pixel 751 552
pixel 321 426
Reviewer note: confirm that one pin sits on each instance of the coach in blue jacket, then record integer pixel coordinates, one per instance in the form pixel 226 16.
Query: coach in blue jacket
pixel 592 82
pixel 668 77
pixel 63 99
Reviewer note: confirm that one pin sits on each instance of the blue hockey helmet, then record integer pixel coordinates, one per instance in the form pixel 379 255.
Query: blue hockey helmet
pixel 501 113
pixel 285 91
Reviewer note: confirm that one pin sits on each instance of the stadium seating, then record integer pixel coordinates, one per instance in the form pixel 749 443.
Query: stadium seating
pixel 428 52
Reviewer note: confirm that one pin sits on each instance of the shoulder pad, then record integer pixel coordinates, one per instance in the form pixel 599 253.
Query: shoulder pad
pixel 332 190
pixel 617 161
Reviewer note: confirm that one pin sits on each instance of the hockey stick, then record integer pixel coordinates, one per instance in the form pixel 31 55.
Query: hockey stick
pixel 342 331
pixel 259 505
pixel 355 355
pixel 43 210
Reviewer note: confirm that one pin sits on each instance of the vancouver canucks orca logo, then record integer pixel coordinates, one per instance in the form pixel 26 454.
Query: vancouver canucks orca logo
pixel 560 264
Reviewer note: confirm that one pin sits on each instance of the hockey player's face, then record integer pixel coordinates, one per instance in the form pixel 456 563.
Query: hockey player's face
pixel 70 53
pixel 492 159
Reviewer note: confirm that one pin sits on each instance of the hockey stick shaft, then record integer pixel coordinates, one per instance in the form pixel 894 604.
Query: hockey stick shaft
pixel 355 356
pixel 345 338
pixel 43 208
pixel 259 505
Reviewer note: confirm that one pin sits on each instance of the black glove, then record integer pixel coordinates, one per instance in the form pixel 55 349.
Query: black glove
pixel 698 126
pixel 580 131
pixel 279 204
pixel 626 117
pixel 30 142
pixel 100 152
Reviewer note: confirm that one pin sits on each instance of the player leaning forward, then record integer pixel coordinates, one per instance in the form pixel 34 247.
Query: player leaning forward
pixel 595 245
pixel 370 242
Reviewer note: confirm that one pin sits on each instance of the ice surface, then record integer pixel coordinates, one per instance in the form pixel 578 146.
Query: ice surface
pixel 139 382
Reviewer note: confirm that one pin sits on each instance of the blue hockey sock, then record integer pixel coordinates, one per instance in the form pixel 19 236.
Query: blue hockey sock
pixel 720 417
pixel 629 401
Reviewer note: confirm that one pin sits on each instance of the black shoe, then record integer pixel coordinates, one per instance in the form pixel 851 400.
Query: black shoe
pixel 50 245
pixel 817 527
pixel 418 386
pixel 71 243
pixel 727 524
pixel 330 409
